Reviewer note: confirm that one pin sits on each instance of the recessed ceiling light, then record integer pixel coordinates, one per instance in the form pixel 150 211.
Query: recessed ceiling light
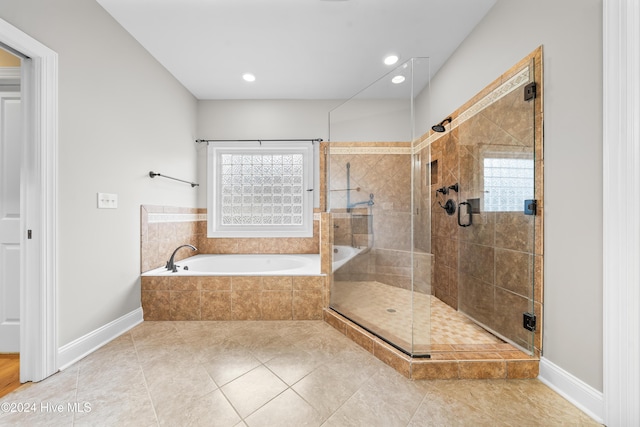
pixel 397 79
pixel 391 59
pixel 248 77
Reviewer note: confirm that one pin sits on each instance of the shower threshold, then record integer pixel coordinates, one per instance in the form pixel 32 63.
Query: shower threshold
pixel 381 337
pixel 447 361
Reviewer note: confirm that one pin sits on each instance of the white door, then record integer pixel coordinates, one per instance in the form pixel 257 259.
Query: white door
pixel 10 148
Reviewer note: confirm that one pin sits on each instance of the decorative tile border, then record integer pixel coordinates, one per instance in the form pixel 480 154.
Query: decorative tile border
pixel 500 92
pixel 494 96
pixel 156 218
pixel 369 150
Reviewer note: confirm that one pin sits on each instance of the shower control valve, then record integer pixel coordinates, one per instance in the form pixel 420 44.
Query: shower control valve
pixel 449 207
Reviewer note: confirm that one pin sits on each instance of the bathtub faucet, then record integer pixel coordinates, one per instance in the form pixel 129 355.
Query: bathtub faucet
pixel 170 264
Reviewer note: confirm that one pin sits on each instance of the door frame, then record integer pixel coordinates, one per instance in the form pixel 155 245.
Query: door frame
pixel 621 233
pixel 38 204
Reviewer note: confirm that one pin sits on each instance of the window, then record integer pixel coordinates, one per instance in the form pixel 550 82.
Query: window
pixel 260 189
pixel 507 183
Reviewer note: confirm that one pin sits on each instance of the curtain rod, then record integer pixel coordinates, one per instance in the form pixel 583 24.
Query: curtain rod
pixel 200 141
pixel 153 174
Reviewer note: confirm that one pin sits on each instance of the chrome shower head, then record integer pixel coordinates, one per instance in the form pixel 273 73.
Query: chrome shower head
pixel 440 126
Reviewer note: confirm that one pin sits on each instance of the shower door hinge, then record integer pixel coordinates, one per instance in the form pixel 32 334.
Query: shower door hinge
pixel 530 91
pixel 529 321
pixel 28 234
pixel 531 207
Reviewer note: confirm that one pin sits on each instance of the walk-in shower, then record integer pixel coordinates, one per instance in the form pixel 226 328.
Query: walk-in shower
pixel 447 252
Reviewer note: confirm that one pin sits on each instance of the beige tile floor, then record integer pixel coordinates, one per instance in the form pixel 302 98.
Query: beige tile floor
pixel 268 373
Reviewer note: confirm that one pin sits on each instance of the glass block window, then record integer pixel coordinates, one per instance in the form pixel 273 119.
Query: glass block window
pixel 260 190
pixel 508 182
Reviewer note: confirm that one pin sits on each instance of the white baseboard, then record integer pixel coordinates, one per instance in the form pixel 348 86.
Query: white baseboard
pixel 576 391
pixel 70 353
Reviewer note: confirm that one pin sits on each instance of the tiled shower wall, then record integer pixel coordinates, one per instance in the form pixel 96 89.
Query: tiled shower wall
pixel 487 270
pixel 384 170
pixel 164 228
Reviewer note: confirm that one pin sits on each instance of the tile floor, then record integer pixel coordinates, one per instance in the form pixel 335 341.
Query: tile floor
pixel 268 373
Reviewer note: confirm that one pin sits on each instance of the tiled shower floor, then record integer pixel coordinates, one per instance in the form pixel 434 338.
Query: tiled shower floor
pixel 387 311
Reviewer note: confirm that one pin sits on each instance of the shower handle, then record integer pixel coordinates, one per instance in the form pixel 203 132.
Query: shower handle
pixel 449 207
pixel 468 212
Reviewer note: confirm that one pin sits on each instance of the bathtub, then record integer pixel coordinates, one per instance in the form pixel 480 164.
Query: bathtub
pixel 342 255
pixel 244 265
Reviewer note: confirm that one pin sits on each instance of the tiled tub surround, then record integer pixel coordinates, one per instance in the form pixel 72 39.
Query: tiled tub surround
pixel 228 297
pixel 164 228
pixel 233 297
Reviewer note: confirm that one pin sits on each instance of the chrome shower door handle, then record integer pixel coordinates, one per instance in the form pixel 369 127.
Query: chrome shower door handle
pixel 468 212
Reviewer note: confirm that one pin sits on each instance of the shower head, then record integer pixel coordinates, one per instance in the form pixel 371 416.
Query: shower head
pixel 440 126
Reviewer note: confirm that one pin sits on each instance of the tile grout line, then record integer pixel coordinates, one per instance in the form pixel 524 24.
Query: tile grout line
pixel 250 370
pixel 417 408
pixel 227 399
pixel 144 378
pixel 351 395
pixel 290 387
pixel 219 387
pixel 73 416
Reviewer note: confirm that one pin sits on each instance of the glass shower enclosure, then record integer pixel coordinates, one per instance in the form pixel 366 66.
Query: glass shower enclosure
pixel 437 237
pixel 381 281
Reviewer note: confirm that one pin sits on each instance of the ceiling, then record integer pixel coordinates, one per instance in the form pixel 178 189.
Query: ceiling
pixel 297 49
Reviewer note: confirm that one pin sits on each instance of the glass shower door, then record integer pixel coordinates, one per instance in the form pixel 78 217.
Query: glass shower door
pixel 370 199
pixel 497 256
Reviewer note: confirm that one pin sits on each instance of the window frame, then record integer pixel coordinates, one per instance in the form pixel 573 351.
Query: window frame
pixel 216 229
pixel 506 156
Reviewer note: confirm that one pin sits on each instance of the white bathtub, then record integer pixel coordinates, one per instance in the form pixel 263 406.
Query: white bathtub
pixel 342 255
pixel 244 265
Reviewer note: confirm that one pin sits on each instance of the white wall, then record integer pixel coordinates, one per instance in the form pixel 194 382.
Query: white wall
pixel 372 120
pixel 571 34
pixel 259 119
pixel 120 115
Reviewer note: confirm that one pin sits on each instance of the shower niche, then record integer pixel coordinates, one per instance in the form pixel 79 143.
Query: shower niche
pixel 445 257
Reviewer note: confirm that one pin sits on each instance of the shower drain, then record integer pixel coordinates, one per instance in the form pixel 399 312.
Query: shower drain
pixel 391 310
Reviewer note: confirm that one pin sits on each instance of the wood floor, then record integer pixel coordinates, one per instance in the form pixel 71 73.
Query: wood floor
pixel 9 373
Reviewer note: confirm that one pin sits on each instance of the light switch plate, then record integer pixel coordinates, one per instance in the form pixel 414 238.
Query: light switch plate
pixel 107 201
